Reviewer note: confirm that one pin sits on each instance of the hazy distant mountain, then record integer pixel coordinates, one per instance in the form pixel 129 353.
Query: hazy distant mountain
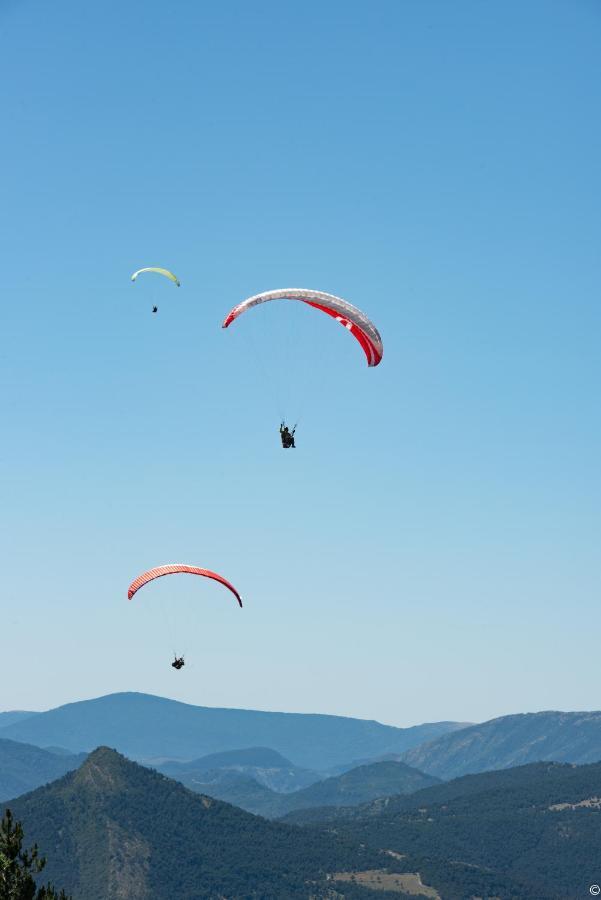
pixel 15 715
pixel 260 757
pixel 115 830
pixel 382 757
pixel 539 825
pixel 354 764
pixel 350 789
pixel 265 766
pixel 512 741
pixel 60 751
pixel 144 726
pixel 24 767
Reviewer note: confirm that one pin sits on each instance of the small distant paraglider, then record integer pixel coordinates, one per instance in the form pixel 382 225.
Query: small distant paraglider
pixel 287 437
pixel 175 569
pixel 158 271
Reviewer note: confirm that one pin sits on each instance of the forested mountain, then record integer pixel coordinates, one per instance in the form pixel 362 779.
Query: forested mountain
pixel 354 787
pixel 267 767
pixel 24 767
pixel 114 830
pixel 537 825
pixel 512 741
pixel 382 779
pixel 354 764
pixel 129 723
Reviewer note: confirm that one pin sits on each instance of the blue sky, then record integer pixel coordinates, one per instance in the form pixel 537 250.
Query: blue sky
pixel 431 549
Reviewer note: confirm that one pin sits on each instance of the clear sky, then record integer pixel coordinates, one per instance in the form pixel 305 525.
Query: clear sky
pixel 431 548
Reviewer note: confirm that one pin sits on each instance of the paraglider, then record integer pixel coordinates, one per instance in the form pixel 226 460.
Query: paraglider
pixel 287 437
pixel 158 271
pixel 349 316
pixel 174 569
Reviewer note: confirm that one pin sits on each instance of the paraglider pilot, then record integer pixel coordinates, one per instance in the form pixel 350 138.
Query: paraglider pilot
pixel 155 309
pixel 178 663
pixel 287 436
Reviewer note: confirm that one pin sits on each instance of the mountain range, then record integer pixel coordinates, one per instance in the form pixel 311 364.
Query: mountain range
pixel 256 779
pixel 128 722
pixel 114 830
pixel 319 745
pixel 382 779
pixel 356 786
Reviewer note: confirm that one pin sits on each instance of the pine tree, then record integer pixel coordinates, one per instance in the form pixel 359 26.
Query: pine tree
pixel 17 866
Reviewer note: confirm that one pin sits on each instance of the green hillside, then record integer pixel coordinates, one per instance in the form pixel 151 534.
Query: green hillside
pixel 382 779
pixel 114 830
pixel 238 789
pixel 539 825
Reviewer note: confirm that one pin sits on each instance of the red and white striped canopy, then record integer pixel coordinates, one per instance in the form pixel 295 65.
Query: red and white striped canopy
pixel 174 569
pixel 349 316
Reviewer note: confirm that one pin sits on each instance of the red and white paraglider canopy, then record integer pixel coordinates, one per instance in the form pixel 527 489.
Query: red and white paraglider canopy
pixel 349 316
pixel 174 569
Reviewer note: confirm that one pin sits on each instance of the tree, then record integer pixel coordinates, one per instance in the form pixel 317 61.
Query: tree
pixel 17 866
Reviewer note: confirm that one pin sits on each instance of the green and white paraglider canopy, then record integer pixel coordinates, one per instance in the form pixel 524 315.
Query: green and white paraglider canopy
pixel 159 271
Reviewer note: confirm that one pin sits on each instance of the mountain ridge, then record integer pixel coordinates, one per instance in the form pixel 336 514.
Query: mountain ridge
pixel 128 720
pixel 14 715
pixel 513 740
